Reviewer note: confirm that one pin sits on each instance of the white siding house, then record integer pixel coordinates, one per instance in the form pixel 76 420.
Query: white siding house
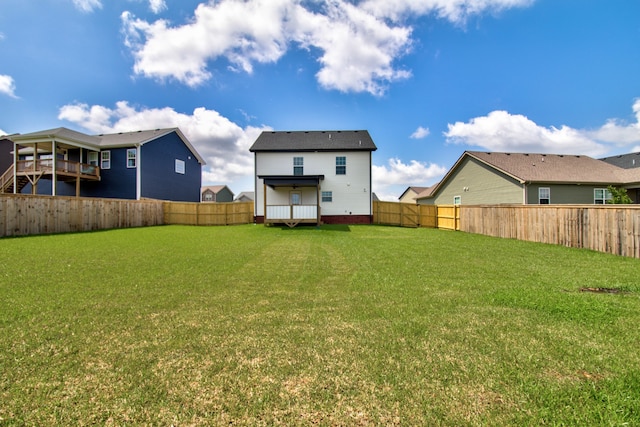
pixel 313 177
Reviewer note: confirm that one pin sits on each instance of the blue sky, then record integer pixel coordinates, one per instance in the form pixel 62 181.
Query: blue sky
pixel 428 79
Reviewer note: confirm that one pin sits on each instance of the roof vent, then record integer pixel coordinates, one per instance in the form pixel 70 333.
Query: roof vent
pixel 329 136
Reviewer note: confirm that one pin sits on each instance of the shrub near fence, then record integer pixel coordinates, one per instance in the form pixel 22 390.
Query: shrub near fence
pixel 24 215
pixel 612 229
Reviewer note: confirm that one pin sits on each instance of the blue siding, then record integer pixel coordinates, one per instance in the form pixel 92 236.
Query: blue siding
pixel 159 177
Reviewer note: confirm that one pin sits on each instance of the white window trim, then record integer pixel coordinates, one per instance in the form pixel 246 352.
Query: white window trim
pixel 457 200
pixel 108 161
pixel 540 198
pixel 180 166
pixel 135 158
pixel 605 192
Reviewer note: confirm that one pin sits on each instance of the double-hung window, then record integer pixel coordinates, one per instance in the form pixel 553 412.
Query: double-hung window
pixel 341 165
pixel 92 158
pixel 544 195
pixel 105 159
pixel 298 165
pixel 327 196
pixel 180 167
pixel 601 196
pixel 132 156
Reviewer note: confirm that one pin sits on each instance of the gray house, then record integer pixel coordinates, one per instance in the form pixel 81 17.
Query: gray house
pixel 217 193
pixel 526 178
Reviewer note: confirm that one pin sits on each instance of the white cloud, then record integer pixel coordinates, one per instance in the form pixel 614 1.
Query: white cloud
pixel 7 85
pixel 617 132
pixel 223 144
pixel 87 5
pixel 420 133
pixel 358 42
pixel 396 176
pixel 455 11
pixel 502 131
pixel 157 6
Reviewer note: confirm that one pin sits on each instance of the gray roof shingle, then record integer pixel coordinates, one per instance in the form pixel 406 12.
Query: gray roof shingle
pixel 340 140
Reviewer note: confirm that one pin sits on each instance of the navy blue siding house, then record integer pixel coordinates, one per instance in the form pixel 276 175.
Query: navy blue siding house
pixel 157 164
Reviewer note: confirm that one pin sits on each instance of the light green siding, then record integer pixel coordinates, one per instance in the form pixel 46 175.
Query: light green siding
pixel 478 184
pixel 564 194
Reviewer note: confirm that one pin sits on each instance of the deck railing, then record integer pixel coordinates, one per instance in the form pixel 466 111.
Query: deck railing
pixel 65 167
pixel 289 212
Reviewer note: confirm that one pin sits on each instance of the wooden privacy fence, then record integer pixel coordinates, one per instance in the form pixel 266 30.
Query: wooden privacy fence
pixel 411 215
pixel 612 229
pixel 23 215
pixel 208 213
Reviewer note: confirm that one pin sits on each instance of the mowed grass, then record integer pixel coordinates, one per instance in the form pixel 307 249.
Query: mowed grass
pixel 359 325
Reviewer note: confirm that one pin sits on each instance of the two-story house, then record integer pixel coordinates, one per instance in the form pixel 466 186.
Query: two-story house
pixel 313 177
pixel 156 164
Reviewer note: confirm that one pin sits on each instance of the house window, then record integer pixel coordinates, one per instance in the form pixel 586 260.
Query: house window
pixel 601 196
pixel 92 158
pixel 180 166
pixel 457 200
pixel 295 198
pixel 544 195
pixel 131 157
pixel 208 196
pixel 105 160
pixel 298 165
pixel 327 196
pixel 341 165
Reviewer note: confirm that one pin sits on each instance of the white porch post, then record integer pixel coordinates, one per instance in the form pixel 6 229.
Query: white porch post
pixel 138 174
pixel 54 177
pixel 15 168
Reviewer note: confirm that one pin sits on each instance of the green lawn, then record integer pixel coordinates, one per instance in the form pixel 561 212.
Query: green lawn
pixel 359 325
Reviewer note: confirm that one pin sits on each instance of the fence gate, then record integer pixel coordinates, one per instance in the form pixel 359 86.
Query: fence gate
pixel 410 215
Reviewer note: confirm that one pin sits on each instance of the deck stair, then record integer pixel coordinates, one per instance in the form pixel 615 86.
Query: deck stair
pixel 6 181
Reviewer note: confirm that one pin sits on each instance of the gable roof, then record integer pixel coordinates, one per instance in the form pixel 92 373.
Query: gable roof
pixel 340 140
pixel 416 190
pixel 246 195
pixel 528 167
pixel 95 142
pixel 543 168
pixel 215 189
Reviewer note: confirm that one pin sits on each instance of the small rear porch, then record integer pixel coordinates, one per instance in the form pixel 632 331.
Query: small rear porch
pixel 292 199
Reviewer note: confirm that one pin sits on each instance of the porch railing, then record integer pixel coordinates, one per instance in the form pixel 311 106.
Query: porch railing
pixel 66 167
pixel 289 212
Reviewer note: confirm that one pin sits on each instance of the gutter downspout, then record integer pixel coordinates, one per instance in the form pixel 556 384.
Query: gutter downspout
pixel 524 193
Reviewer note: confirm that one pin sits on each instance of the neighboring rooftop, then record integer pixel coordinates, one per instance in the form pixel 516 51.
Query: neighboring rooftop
pixel 529 167
pixel 625 161
pixel 336 140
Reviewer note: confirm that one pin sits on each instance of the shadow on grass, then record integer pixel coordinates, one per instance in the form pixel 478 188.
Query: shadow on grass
pixel 323 227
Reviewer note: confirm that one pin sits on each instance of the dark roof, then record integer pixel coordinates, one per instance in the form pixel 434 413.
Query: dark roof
pixel 625 161
pixel 330 140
